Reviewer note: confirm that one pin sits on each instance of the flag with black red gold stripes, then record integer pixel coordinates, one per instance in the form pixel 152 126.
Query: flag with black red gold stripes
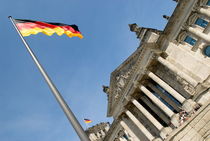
pixel 28 27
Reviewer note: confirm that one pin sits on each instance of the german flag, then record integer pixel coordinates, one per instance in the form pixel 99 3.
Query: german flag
pixel 28 27
pixel 87 121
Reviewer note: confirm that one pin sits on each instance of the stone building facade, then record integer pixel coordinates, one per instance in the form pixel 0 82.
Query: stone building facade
pixel 98 132
pixel 161 92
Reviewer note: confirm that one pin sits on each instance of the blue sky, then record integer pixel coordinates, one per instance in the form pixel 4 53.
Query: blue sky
pixel 78 67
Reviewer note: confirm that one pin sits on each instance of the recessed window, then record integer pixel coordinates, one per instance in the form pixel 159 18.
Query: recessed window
pixel 126 137
pixel 190 40
pixel 207 51
pixel 201 22
pixel 208 3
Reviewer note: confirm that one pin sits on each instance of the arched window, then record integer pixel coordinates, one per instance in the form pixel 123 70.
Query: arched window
pixel 207 51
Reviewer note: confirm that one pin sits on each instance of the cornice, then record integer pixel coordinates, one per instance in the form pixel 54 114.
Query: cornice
pixel 135 65
pixel 120 77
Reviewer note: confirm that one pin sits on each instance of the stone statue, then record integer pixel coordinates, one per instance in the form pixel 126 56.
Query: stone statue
pixel 138 30
pixel 166 17
pixel 105 89
pixel 135 28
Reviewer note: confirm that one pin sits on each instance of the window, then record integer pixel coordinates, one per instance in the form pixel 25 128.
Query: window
pixel 207 51
pixel 162 100
pixel 168 95
pixel 126 137
pixel 201 22
pixel 190 40
pixel 208 3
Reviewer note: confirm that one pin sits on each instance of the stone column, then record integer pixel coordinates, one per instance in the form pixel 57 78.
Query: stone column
pixel 164 132
pixel 204 98
pixel 130 132
pixel 121 139
pixel 201 35
pixel 165 97
pixel 160 104
pixel 147 115
pixel 92 136
pixel 204 12
pixel 98 134
pixel 155 109
pixel 102 132
pixel 177 71
pixel 168 88
pixel 139 125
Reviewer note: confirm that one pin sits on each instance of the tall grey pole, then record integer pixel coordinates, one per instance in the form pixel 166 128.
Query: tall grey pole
pixel 74 122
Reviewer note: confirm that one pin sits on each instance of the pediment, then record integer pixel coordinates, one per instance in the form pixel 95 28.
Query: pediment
pixel 121 76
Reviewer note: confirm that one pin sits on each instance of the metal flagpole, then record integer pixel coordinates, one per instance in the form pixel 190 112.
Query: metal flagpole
pixel 74 122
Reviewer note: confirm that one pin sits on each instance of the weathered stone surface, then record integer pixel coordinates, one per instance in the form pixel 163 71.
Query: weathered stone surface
pixel 189 105
pixel 183 106
pixel 196 128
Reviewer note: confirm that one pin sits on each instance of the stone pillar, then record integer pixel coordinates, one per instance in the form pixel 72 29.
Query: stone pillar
pixel 189 105
pixel 147 115
pixel 130 132
pixel 139 125
pixel 102 132
pixel 92 136
pixel 155 109
pixel 204 98
pixel 204 12
pixel 168 88
pixel 177 71
pixel 121 139
pixel 160 104
pixel 98 135
pixel 164 132
pixel 165 97
pixel 201 35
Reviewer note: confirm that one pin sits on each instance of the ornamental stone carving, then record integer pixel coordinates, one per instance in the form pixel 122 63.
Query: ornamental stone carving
pixel 105 89
pixel 181 36
pixel 121 81
pixel 116 139
pixel 191 20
